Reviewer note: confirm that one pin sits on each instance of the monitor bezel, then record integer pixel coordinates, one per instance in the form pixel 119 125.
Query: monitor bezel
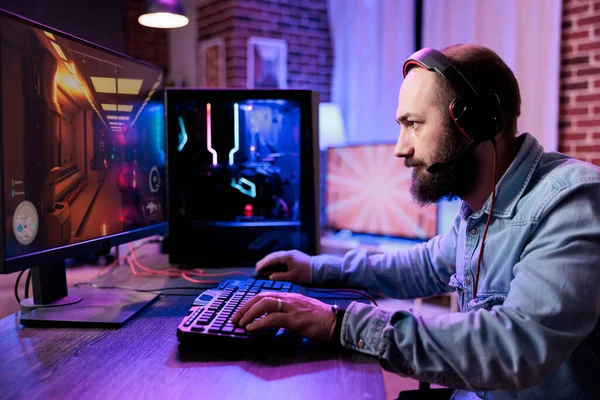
pixel 328 227
pixel 104 243
pixel 309 122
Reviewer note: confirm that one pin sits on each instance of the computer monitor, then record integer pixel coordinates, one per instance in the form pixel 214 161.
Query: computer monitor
pixel 367 191
pixel 83 161
pixel 242 176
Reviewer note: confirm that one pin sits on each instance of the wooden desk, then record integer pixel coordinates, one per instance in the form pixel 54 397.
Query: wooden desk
pixel 142 360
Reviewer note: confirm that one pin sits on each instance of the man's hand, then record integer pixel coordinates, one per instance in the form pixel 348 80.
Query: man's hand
pixel 296 262
pixel 308 317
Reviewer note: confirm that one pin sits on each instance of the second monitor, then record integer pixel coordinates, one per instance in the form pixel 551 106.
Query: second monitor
pixel 367 191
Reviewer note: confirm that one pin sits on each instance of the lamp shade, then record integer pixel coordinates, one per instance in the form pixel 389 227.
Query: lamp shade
pixel 163 14
pixel 331 126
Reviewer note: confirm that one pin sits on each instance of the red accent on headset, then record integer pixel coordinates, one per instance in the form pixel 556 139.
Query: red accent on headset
pixel 456 123
pixel 412 62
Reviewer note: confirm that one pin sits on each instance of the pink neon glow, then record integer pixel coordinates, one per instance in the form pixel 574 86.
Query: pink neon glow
pixel 209 134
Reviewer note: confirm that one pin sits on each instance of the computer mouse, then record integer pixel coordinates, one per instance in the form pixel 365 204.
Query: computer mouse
pixel 265 272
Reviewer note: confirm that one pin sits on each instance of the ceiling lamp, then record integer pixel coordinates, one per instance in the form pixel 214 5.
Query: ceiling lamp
pixel 163 14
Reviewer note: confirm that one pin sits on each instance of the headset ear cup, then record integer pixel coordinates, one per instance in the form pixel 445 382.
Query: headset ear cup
pixel 491 116
pixel 498 115
pixel 458 113
pixel 479 120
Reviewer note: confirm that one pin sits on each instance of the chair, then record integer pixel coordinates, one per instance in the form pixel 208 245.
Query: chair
pixel 426 393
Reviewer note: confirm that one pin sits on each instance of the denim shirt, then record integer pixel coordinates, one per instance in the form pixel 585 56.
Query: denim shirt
pixel 532 332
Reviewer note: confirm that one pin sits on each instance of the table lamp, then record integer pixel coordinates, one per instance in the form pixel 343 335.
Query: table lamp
pixel 331 126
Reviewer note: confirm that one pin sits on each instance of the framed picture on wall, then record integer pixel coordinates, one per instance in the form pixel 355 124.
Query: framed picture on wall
pixel 211 63
pixel 267 63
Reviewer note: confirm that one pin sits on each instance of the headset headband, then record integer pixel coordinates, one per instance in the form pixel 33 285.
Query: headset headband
pixel 433 60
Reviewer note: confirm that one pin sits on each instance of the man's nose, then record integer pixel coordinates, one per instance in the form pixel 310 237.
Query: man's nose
pixel 404 145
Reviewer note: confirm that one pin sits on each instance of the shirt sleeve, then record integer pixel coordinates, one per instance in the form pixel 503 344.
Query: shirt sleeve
pixel 553 304
pixel 421 271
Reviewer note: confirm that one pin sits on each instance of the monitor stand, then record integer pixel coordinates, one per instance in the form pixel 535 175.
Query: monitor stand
pixel 53 305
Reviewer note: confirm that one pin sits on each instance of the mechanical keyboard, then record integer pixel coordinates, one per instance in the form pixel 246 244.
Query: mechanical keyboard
pixel 208 321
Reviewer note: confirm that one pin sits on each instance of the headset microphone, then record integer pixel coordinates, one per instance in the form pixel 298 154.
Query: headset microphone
pixel 439 166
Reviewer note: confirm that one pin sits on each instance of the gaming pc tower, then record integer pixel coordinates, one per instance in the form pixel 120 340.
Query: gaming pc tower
pixel 82 164
pixel 243 174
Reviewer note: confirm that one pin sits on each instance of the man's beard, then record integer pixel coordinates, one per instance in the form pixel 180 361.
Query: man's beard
pixel 454 180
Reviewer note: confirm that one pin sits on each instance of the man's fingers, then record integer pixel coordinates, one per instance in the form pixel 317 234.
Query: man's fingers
pixel 263 306
pixel 244 309
pixel 280 276
pixel 276 320
pixel 278 257
pixel 240 313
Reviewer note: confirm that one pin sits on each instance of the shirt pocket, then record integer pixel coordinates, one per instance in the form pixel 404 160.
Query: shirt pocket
pixel 457 283
pixel 486 301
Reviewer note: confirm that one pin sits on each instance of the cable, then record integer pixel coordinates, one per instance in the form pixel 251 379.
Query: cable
pixel 157 290
pixel 17 286
pixel 118 259
pixel 185 276
pixel 107 266
pixel 133 262
pixel 200 272
pixel 347 290
pixel 174 272
pixel 487 224
pixel 27 281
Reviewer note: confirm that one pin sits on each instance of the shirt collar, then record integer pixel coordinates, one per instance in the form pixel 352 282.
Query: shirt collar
pixel 513 183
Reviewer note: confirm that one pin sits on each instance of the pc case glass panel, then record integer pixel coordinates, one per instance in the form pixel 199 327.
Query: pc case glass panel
pixel 83 141
pixel 368 191
pixel 241 161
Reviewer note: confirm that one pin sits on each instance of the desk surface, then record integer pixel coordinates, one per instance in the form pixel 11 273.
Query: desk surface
pixel 142 360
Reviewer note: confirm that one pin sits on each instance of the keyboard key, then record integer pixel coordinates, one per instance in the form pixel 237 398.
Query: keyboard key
pixel 228 329
pixel 239 332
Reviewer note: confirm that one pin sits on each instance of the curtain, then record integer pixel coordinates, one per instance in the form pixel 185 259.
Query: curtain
pixel 183 49
pixel 371 38
pixel 525 33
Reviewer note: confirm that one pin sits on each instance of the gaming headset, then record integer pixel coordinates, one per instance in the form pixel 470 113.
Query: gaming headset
pixel 478 116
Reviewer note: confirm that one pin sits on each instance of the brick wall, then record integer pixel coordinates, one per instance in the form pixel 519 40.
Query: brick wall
pixel 579 126
pixel 304 25
pixel 146 44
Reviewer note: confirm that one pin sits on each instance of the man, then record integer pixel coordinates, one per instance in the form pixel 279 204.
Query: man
pixel 530 301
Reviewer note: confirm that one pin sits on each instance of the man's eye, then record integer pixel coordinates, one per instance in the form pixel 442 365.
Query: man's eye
pixel 412 124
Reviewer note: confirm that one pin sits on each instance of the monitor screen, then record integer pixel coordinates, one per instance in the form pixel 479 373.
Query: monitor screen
pixel 236 171
pixel 368 191
pixel 83 152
